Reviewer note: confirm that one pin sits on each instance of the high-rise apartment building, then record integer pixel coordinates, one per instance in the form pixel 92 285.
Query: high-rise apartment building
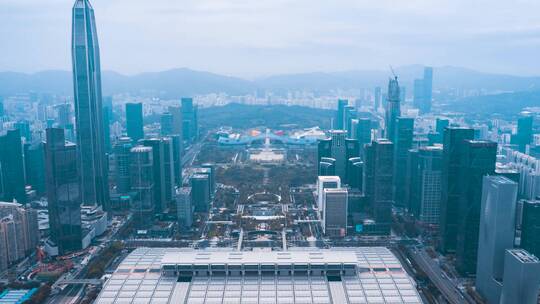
pixel 19 234
pixel 88 107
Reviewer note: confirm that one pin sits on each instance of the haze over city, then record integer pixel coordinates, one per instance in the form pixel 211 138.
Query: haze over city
pixel 260 38
pixel 272 152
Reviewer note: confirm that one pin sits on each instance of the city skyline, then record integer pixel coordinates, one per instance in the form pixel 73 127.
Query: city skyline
pixel 233 37
pixel 351 187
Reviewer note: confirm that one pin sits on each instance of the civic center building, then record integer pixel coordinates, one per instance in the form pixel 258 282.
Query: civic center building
pixel 298 275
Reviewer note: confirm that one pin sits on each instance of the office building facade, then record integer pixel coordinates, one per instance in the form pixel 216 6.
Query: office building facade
pixel 393 108
pixel 496 235
pixel 452 191
pixel 63 196
pixel 402 140
pixel 521 280
pixel 88 107
pixel 134 121
pixel 334 212
pixel 478 160
pixel 12 167
pixel 377 180
pixel 143 183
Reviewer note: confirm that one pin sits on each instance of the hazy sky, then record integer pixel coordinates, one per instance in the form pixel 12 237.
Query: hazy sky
pixel 251 38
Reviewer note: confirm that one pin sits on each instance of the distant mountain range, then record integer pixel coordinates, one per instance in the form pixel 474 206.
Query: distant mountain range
pixel 185 82
pixel 506 104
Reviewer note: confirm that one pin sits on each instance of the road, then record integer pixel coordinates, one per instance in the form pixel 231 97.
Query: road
pixel 447 288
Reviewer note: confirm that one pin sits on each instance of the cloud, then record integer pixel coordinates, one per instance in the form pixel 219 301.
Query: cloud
pixel 249 38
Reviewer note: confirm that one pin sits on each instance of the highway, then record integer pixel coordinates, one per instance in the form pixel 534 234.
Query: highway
pixel 447 288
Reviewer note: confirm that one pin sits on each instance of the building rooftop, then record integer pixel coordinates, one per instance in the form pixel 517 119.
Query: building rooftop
pixel 300 275
pixel 524 256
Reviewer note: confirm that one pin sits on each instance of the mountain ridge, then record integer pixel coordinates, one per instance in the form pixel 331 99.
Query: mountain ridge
pixel 178 82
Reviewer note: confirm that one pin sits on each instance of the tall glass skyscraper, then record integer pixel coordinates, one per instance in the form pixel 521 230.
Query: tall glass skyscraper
pixel 88 107
pixel 63 192
pixel 393 110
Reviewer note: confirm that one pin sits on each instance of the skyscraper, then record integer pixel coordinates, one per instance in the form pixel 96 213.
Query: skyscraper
pixel 63 196
pixel 440 125
pixel 200 196
pixel 88 107
pixel 478 159
pixel 521 280
pixel 166 122
pixel 348 116
pixel 524 133
pixel 34 165
pixel 177 159
pixel 377 98
pixel 168 169
pixel 428 88
pixel 184 208
pixel 158 160
pixel 12 167
pixel 176 112
pixel 142 182
pixel 363 132
pixel 134 121
pixel 393 110
pixel 378 177
pixel 339 148
pixel 334 212
pixel 190 126
pixel 339 124
pixel 106 129
pixel 452 190
pixel 325 182
pixel 497 232
pixel 423 89
pixel 530 226
pixel 122 158
pixel 402 140
pixel 355 168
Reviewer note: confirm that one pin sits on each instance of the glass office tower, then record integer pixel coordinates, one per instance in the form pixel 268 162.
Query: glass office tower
pixel 88 107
